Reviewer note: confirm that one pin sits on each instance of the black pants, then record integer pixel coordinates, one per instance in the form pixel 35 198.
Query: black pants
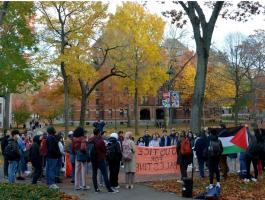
pixel 183 170
pixel 214 168
pixel 101 165
pixel 5 167
pixel 254 161
pixel 36 174
pixel 114 169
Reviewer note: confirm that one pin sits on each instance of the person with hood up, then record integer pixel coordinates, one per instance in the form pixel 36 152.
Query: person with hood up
pixel 215 150
pixel 35 158
pixel 114 156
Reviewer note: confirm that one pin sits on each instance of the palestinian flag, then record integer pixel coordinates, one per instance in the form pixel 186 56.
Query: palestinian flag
pixel 234 140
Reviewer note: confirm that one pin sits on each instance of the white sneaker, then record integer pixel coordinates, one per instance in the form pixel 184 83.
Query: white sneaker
pixel 127 186
pixel 85 188
pixel 118 187
pixel 246 180
pixel 132 186
pixel 254 179
pixel 54 186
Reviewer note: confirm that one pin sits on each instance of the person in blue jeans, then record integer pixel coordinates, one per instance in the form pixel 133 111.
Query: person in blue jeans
pixel 100 161
pixel 12 155
pixel 53 154
pixel 200 147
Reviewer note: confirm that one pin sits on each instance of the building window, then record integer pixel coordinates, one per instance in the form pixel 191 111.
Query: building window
pixel 125 112
pixel 0 108
pixel 121 112
pixel 110 113
pixel 97 102
pixel 145 100
pixel 97 113
pixel 88 113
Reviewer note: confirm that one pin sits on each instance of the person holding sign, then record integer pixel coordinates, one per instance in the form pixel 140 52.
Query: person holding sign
pixel 128 156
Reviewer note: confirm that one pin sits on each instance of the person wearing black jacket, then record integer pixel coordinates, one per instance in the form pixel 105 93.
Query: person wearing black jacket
pixel 12 155
pixel 215 150
pixel 252 155
pixel 4 142
pixel 200 147
pixel 114 157
pixel 35 158
pixel 53 154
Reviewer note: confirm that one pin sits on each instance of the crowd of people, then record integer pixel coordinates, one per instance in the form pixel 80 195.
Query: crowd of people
pixel 46 152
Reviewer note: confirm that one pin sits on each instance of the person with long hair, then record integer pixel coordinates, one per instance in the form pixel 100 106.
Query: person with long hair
pixel 129 160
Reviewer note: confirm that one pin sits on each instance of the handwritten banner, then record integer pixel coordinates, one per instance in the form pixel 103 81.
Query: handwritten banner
pixel 156 160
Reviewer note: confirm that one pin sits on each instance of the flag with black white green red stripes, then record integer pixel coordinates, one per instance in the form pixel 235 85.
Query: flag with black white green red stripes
pixel 234 140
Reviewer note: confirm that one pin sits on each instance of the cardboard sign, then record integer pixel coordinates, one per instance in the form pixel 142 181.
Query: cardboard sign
pixel 156 160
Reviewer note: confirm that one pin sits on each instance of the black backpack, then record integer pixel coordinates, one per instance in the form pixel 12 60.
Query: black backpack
pixel 214 148
pixel 11 151
pixel 91 152
pixel 111 151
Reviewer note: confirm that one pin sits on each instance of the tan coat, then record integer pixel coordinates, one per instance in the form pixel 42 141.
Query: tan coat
pixel 130 166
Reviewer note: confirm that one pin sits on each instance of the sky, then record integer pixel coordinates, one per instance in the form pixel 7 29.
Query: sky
pixel 222 29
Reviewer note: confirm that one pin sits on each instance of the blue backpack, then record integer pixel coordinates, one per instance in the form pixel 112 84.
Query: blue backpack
pixel 213 193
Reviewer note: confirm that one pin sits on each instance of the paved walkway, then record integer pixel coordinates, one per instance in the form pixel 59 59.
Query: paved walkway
pixel 140 192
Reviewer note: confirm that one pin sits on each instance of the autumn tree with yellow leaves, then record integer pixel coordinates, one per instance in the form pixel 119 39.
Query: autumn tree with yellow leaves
pixel 140 58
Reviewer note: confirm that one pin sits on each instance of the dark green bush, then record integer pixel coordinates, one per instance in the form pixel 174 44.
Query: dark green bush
pixel 28 192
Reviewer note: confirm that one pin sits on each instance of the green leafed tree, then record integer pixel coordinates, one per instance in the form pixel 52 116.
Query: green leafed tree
pixel 17 43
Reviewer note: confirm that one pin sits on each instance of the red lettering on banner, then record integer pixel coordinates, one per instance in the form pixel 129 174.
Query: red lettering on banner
pixel 156 160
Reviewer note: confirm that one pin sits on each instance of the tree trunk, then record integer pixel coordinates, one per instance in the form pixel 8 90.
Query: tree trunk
pixel 136 125
pixel 66 97
pixel 128 115
pixel 254 102
pixel 6 124
pixel 3 12
pixel 236 109
pixel 199 89
pixel 83 110
pixel 166 117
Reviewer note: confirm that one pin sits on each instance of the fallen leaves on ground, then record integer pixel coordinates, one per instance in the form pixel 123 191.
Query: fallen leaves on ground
pixel 232 188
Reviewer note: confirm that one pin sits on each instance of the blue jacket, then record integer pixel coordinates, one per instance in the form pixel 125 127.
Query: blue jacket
pixel 165 141
pixel 200 147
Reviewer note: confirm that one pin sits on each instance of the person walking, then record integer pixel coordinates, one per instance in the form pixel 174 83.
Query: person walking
pixel 129 160
pixel 99 161
pixel 53 154
pixel 35 158
pixel 79 148
pixel 114 156
pixel 215 150
pixel 12 155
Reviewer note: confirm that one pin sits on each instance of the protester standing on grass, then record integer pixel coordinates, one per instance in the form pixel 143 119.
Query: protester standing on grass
pixel 252 155
pixel 184 153
pixel 12 155
pixel 53 154
pixel 200 148
pixel 129 160
pixel 35 158
pixel 215 150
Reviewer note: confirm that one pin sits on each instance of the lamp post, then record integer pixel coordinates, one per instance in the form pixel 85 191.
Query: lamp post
pixel 169 87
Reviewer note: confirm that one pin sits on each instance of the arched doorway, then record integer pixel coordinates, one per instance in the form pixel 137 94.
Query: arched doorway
pixel 160 114
pixel 145 114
